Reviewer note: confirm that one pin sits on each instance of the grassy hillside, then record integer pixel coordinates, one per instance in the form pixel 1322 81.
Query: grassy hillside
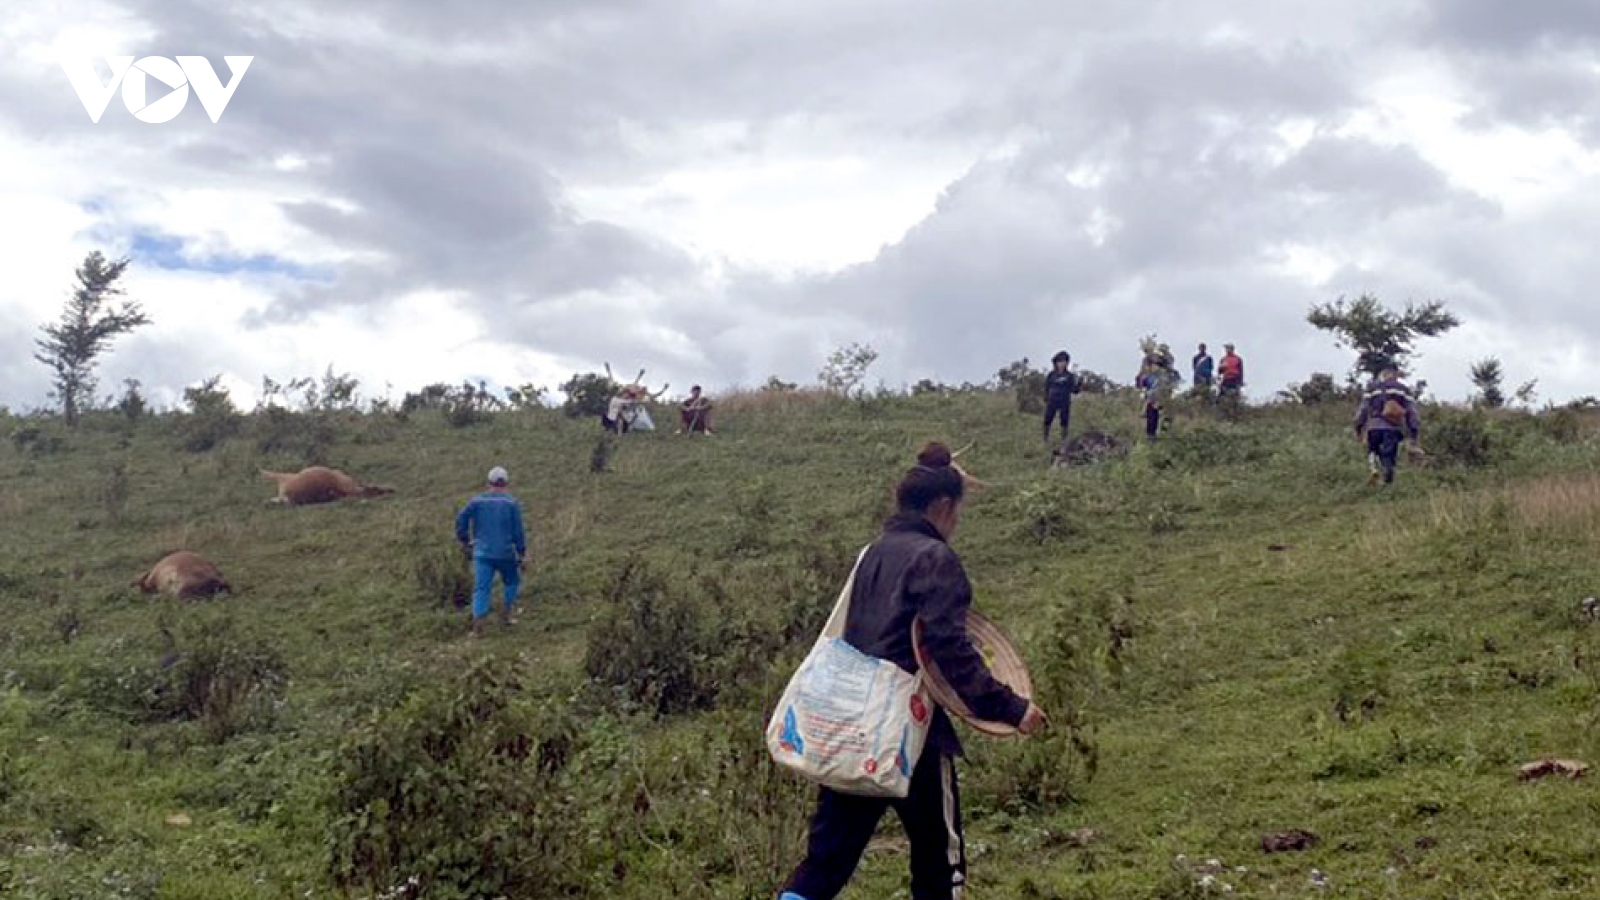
pixel 1235 636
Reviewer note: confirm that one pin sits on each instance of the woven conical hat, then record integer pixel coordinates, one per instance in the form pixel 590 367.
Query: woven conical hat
pixel 998 653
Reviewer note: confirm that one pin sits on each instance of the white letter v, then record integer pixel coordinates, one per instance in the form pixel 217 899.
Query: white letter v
pixel 86 82
pixel 213 96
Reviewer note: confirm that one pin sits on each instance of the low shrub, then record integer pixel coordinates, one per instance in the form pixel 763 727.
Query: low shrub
pixel 306 437
pixel 37 441
pixel 444 576
pixel 212 417
pixel 459 794
pixel 1045 511
pixel 654 648
pixel 115 491
pixel 226 683
pixel 1462 438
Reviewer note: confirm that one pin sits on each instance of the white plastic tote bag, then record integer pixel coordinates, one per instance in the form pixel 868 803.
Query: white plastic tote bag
pixel 849 721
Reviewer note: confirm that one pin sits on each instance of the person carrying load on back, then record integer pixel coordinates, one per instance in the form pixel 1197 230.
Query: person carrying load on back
pixel 1231 371
pixel 1155 382
pixel 694 414
pixel 1387 416
pixel 489 528
pixel 1059 386
pixel 911 574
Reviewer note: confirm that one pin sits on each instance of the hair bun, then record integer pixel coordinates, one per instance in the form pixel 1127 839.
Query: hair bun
pixel 935 456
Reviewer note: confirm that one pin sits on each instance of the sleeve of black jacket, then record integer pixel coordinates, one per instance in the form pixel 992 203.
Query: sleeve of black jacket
pixel 938 585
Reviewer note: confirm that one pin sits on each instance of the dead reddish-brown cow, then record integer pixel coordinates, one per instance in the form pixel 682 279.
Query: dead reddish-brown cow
pixel 183 574
pixel 320 484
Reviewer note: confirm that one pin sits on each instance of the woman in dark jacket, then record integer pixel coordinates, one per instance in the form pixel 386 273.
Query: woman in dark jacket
pixel 910 573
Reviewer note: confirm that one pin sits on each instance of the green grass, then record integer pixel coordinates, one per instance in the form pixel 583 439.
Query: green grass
pixel 1378 681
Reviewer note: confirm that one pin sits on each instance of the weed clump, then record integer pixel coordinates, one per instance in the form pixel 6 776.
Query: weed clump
pixel 227 684
pixel 1463 439
pixel 443 577
pixel 37 442
pixel 460 793
pixel 305 436
pixel 212 417
pixel 115 492
pixel 655 649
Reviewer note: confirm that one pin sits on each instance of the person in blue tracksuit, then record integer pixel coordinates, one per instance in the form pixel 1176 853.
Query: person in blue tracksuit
pixel 490 528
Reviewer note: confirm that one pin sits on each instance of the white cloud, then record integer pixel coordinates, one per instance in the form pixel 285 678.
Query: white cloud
pixel 726 192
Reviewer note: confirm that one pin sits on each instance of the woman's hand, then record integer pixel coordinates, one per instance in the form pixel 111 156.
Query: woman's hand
pixel 1034 720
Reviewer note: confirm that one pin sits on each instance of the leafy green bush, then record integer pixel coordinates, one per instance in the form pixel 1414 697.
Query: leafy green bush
pixel 1207 447
pixel 212 676
pixel 37 441
pixel 1044 512
pixel 655 648
pixel 1563 425
pixel 115 491
pixel 588 395
pixel 212 416
pixel 305 436
pixel 444 576
pixel 132 404
pixel 1463 439
pixel 458 794
pixel 1025 383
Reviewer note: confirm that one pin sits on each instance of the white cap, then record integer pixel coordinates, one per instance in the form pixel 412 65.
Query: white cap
pixel 498 475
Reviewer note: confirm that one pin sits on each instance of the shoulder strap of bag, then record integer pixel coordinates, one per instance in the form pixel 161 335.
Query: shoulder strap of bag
pixel 841 609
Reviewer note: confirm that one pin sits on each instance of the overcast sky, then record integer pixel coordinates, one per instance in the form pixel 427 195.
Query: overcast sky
pixel 413 191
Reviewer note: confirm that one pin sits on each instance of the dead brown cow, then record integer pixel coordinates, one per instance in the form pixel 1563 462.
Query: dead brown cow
pixel 320 484
pixel 183 574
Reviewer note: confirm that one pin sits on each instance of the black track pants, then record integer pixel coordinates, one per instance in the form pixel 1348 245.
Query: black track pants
pixel 1054 408
pixel 931 815
pixel 1385 444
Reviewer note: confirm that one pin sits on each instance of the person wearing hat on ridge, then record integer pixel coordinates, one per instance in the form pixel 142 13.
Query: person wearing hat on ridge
pixel 1387 416
pixel 911 574
pixel 1231 371
pixel 489 527
pixel 1059 386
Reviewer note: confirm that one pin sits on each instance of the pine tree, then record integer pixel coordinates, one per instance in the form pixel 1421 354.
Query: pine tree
pixel 1487 377
pixel 72 346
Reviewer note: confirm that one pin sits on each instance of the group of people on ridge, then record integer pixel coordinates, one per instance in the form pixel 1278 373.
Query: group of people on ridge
pixel 628 411
pixel 1156 381
pixel 1386 417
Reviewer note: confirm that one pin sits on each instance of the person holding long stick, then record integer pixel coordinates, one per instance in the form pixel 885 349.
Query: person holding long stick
pixel 694 414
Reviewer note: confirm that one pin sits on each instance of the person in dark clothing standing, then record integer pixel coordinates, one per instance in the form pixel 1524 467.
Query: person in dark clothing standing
pixel 1387 416
pixel 1204 368
pixel 910 573
pixel 1059 386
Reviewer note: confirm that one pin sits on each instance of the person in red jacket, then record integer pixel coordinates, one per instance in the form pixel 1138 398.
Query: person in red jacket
pixel 1231 371
pixel 910 573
